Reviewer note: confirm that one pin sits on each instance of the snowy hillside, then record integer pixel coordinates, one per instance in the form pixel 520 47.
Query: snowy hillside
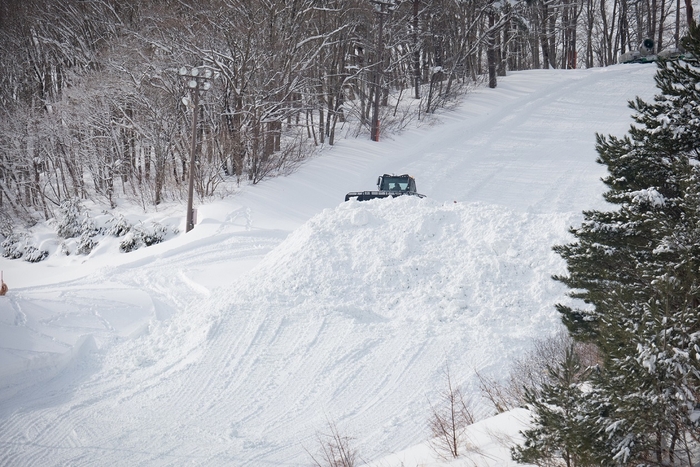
pixel 285 308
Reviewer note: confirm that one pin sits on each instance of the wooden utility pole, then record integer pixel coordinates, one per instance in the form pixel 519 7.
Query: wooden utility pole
pixel 197 80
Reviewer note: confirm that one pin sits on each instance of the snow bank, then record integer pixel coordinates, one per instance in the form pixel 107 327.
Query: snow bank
pixel 485 444
pixel 352 318
pixel 418 260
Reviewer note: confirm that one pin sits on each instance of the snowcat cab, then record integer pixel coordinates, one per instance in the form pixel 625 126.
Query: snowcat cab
pixel 388 186
pixel 643 54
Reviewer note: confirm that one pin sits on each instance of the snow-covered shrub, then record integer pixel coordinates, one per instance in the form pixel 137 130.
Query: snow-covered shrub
pixel 81 245
pixel 86 243
pixel 75 222
pixel 118 227
pixel 12 247
pixel 18 246
pixel 155 233
pixel 143 235
pixel 70 219
pixel 130 242
pixel 33 254
pixel 65 248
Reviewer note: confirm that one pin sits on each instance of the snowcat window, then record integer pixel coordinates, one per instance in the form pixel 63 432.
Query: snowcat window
pixel 394 184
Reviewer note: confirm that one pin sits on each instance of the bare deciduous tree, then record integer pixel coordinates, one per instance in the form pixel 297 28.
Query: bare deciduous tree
pixel 530 371
pixel 450 417
pixel 334 449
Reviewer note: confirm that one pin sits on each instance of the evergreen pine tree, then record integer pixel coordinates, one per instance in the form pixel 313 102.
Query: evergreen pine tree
pixel 637 269
pixel 560 432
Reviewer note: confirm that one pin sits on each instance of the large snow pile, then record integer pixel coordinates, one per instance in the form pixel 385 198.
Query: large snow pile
pixel 363 306
pixel 417 260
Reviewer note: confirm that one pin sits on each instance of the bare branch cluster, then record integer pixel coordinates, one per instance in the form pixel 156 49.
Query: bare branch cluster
pixel 530 372
pixel 451 416
pixel 334 449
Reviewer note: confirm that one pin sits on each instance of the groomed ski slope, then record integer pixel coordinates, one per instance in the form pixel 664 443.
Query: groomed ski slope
pixel 286 308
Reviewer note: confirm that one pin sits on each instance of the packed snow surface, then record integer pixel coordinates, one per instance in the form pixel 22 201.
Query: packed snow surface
pixel 286 309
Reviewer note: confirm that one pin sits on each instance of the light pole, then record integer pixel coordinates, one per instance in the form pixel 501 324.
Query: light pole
pixel 379 71
pixel 198 79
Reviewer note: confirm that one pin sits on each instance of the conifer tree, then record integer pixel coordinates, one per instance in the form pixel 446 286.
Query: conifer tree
pixel 560 429
pixel 637 270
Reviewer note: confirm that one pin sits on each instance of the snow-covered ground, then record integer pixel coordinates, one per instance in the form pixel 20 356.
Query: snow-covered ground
pixel 285 308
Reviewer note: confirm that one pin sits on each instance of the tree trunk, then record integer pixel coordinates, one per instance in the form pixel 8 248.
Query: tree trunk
pixel 416 50
pixel 544 40
pixel 491 53
pixel 689 13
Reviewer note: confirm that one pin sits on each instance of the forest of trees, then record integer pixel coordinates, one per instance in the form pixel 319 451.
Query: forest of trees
pixel 92 105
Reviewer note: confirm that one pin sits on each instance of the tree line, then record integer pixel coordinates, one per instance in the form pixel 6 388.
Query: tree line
pixel 92 106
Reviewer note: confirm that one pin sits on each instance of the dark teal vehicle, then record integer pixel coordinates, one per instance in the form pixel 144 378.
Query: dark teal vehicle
pixel 388 186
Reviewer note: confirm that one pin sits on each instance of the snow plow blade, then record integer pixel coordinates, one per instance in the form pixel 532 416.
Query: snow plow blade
pixel 367 195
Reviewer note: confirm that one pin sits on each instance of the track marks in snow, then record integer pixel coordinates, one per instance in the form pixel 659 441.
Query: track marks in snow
pixel 288 352
pixel 354 315
pixel 553 123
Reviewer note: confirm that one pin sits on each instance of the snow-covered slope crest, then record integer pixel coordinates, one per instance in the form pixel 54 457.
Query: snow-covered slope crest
pixel 416 259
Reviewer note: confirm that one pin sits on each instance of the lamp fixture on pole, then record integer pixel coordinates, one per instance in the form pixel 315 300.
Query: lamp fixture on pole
pixel 381 8
pixel 198 80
